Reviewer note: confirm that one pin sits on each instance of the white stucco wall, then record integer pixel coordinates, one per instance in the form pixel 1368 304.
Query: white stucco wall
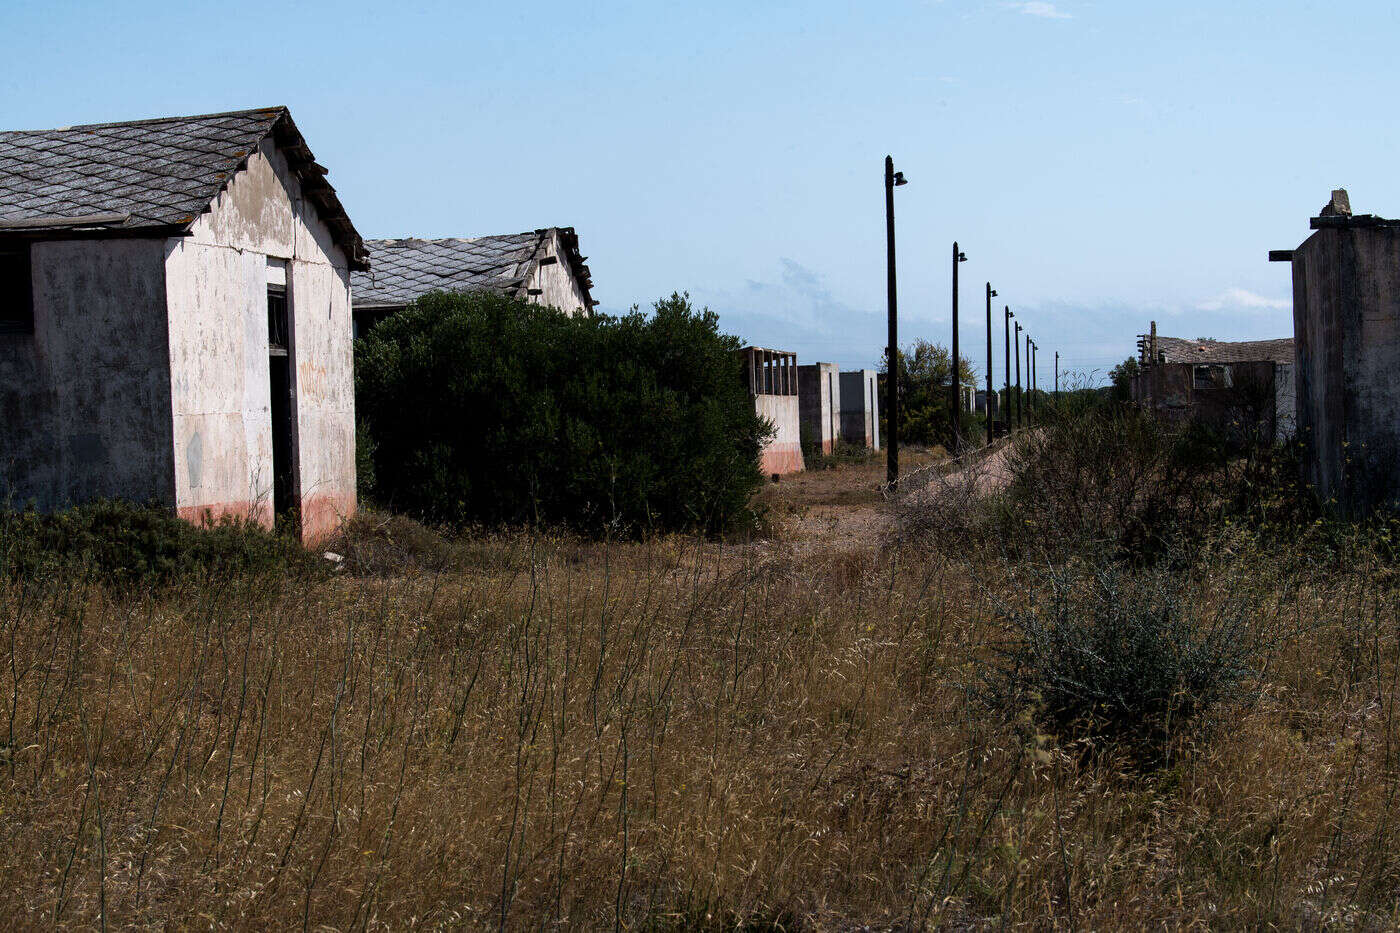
pixel 217 282
pixel 558 288
pixel 83 398
pixel 783 454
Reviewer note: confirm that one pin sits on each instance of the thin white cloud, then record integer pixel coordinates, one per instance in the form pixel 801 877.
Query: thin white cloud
pixel 1040 8
pixel 1244 299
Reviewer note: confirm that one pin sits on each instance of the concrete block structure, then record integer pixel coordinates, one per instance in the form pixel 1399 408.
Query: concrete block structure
pixel 543 267
pixel 771 376
pixel 1236 386
pixel 819 404
pixel 175 320
pixel 1346 323
pixel 860 408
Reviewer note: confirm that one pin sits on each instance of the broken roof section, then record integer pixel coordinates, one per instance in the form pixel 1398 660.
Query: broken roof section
pixel 1180 350
pixel 150 177
pixel 406 269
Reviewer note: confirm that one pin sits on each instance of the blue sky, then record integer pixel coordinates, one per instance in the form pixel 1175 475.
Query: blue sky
pixel 1102 163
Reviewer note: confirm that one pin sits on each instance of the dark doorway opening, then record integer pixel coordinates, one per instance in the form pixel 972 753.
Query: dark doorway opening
pixel 280 386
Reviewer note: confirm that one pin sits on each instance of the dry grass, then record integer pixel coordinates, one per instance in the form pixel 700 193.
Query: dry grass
pixel 666 735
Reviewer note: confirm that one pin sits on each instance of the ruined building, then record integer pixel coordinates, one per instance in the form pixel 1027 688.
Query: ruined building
pixel 175 320
pixel 819 403
pixel 771 376
pixel 1346 324
pixel 1239 387
pixel 543 266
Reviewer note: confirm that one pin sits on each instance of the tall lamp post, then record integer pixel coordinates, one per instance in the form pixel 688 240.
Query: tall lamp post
pixel 956 416
pixel 893 180
pixel 1006 400
pixel 1057 377
pixel 987 408
pixel 1020 409
pixel 1031 370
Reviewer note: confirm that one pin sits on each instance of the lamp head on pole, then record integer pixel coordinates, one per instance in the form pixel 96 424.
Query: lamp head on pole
pixel 992 293
pixel 962 257
pixel 1009 313
pixel 899 179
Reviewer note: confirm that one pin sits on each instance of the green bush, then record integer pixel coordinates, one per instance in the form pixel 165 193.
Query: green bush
pixel 118 542
pixel 924 413
pixel 483 409
pixel 1123 658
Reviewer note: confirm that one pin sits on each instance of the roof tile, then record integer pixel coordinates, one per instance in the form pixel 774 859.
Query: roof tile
pixel 163 173
pixel 403 270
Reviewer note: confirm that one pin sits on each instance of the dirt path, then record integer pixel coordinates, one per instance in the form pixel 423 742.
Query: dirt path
pixel 846 509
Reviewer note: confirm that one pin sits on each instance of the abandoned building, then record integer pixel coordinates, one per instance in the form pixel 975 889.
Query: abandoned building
pixel 819 403
pixel 175 320
pixel 1236 386
pixel 860 408
pixel 1346 322
pixel 543 266
pixel 771 377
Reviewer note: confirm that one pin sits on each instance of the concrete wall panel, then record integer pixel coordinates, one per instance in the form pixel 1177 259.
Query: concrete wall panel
pixel 220 406
pixel 83 399
pixel 1346 287
pixel 783 454
pixel 819 402
pixel 325 393
pixel 860 408
pixel 1285 402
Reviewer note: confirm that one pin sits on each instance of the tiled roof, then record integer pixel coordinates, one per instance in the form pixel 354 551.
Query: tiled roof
pixel 403 270
pixel 1179 350
pixel 149 174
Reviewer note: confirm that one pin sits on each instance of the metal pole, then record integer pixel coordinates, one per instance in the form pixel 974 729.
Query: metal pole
pixel 955 413
pixel 892 351
pixel 1020 419
pixel 1006 396
pixel 1057 375
pixel 987 408
pixel 1034 347
pixel 1024 395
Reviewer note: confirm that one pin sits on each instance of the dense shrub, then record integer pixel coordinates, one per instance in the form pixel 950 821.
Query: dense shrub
pixel 924 417
pixel 1126 658
pixel 1113 476
pixel 483 409
pixel 122 543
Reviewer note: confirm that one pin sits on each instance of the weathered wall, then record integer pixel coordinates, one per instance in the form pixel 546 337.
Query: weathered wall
pixel 83 400
pixel 1285 402
pixel 819 401
pixel 1346 308
pixel 783 454
pixel 860 408
pixel 260 229
pixel 559 288
pixel 1246 402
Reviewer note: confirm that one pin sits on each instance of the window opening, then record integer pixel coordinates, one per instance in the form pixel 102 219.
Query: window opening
pixel 16 291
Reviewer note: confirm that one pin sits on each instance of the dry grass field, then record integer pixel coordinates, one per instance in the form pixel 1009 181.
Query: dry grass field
pixel 524 731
